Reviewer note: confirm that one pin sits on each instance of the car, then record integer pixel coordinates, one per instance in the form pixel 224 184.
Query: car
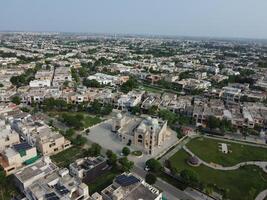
pixel 147 168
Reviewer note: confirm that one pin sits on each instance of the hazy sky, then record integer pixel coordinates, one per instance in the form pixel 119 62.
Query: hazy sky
pixel 221 18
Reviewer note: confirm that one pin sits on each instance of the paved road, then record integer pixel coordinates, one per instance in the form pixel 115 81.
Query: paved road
pixel 170 192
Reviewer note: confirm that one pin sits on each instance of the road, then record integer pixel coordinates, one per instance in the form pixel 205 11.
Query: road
pixel 170 192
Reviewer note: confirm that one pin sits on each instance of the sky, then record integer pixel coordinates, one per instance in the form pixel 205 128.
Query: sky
pixel 210 18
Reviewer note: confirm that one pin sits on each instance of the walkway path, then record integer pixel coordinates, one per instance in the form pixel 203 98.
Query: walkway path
pixel 262 195
pixel 261 164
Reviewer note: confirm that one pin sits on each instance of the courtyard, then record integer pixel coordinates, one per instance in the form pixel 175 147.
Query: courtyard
pixel 103 135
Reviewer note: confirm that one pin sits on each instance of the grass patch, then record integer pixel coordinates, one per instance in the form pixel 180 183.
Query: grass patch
pixel 7 187
pixel 137 153
pixel 245 182
pixel 103 181
pixel 87 121
pixel 239 152
pixel 90 121
pixel 68 156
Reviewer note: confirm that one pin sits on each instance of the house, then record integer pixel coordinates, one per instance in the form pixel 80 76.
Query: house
pixel 13 158
pixel 88 168
pixel 8 136
pixel 130 187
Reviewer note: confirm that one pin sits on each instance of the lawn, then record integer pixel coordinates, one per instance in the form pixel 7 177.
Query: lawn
pixel 103 181
pixel 7 188
pixel 87 121
pixel 90 121
pixel 241 184
pixel 239 152
pixel 64 158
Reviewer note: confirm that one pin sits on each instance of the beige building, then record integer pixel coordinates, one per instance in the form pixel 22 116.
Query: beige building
pixel 145 134
pixel 50 143
pixel 8 137
pixel 16 156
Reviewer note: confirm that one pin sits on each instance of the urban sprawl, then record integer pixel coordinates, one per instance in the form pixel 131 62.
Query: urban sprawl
pixel 113 117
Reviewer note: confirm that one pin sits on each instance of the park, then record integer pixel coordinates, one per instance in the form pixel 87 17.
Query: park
pixel 220 171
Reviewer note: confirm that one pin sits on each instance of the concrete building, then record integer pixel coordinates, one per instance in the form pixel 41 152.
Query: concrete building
pixel 8 137
pixel 16 156
pixel 88 168
pixel 43 180
pixel 130 187
pixel 49 143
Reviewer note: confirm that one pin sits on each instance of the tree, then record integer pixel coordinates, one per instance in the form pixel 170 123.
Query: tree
pixel 213 122
pixel 112 158
pixel 91 83
pixel 189 177
pixel 1 85
pixel 126 151
pixel 125 164
pixel 151 178
pixel 154 165
pixel 153 110
pixel 72 120
pixel 135 110
pixel 79 140
pixel 129 85
pixel 16 100
pixel 94 150
pixel 169 116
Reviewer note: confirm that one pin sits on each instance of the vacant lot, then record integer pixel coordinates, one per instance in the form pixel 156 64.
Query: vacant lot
pixel 209 151
pixel 241 184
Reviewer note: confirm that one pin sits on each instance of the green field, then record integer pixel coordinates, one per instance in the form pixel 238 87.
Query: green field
pixel 64 158
pixel 244 183
pixel 208 150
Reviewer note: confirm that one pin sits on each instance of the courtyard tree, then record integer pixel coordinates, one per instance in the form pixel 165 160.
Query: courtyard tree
pixel 126 151
pixel 125 164
pixel 112 158
pixel 94 150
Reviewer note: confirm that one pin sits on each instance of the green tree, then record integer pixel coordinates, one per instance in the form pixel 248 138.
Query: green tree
pixel 91 83
pixel 189 177
pixel 154 165
pixel 1 85
pixel 79 140
pixel 125 164
pixel 151 178
pixel 129 85
pixel 213 122
pixel 153 110
pixel 16 100
pixel 112 158
pixel 126 151
pixel 94 150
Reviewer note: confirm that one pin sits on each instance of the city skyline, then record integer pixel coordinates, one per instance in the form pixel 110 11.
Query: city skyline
pixel 239 19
